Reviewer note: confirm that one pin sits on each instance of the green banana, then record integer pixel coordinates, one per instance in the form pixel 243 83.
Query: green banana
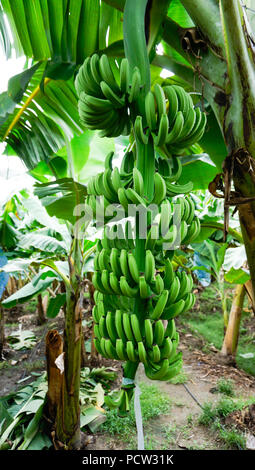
pixel 136 286
pixel 160 305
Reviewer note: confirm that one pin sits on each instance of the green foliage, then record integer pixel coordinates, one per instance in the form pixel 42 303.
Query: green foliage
pixel 153 404
pixel 22 425
pixel 226 387
pixel 199 169
pixel 24 412
pixel 211 412
pixel 232 438
pixel 61 196
pixel 213 416
pixel 180 378
pixel 39 283
pixel 237 276
pixel 54 305
pixel 170 433
pixel 58 36
pixel 223 408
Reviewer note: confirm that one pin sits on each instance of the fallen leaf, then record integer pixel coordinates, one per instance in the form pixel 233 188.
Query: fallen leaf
pixel 250 442
pixel 247 355
pixel 60 362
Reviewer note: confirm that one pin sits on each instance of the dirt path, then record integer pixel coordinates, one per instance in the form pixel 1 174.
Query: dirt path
pixel 177 429
pixel 180 428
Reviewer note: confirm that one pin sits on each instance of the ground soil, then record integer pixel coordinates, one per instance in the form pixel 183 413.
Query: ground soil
pixel 202 370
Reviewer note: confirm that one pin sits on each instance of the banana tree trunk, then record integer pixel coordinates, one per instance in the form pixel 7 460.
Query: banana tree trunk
pixel 1 332
pixel 54 348
pixel 231 337
pixel 229 88
pixel 94 353
pixel 248 288
pixel 68 412
pixel 40 310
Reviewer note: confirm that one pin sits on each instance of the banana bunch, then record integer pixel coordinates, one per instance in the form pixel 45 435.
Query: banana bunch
pixel 138 293
pixel 126 186
pixel 171 118
pixel 104 104
pixel 123 334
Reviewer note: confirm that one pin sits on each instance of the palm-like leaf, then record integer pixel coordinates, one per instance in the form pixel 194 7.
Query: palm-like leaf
pixel 61 196
pixel 4 36
pixel 60 35
pixel 43 243
pixel 62 30
pixel 35 128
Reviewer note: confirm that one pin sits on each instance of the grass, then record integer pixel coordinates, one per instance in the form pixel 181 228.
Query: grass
pixel 12 325
pixel 232 438
pixel 226 387
pixel 181 378
pixel 213 416
pixel 169 433
pixel 38 364
pixel 153 404
pixel 224 407
pixel 208 324
pixel 30 306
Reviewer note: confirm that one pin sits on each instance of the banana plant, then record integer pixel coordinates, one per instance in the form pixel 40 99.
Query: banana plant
pixel 229 266
pixel 136 287
pixel 40 105
pixel 216 58
pixel 62 259
pixel 203 53
pixel 3 282
pixel 213 256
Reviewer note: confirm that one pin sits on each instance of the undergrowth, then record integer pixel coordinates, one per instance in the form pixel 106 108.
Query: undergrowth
pixel 213 416
pixel 226 387
pixel 153 404
pixel 207 322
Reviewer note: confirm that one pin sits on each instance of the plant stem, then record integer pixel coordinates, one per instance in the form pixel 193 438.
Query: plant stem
pixel 40 310
pixel 230 343
pixel 68 414
pixel 218 226
pixel 54 347
pixel 136 53
pixel 1 332
pixel 239 120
